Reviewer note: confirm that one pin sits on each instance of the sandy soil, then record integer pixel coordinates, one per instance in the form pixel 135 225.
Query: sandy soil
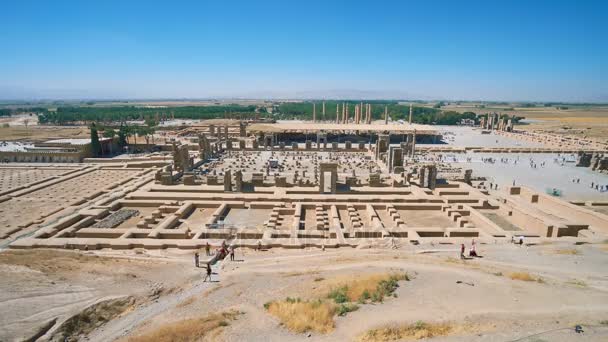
pixel 44 285
pixel 478 294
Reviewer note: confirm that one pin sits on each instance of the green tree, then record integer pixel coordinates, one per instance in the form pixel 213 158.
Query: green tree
pixel 109 133
pixel 95 145
pixel 122 136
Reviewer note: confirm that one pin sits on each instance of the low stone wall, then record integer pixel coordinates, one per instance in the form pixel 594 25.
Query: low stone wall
pixel 41 157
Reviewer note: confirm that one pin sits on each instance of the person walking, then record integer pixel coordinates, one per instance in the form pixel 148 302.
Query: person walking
pixel 208 276
pixel 231 253
pixel 462 251
pixel 196 259
pixel 208 249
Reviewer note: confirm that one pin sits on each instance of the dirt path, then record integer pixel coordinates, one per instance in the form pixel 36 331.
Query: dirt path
pixel 124 325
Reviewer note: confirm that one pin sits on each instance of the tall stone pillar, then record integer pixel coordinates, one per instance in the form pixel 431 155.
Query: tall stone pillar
pixel 238 181
pixel 432 177
pixel 227 181
pixel 323 110
pixel 337 113
pixel 386 115
pixel 314 112
pixel 422 177
pixel 414 143
pixel 346 121
pixel 410 119
pixel 369 117
pixel 242 129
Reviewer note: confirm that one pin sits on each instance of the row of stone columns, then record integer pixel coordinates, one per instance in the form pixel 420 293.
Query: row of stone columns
pixel 495 122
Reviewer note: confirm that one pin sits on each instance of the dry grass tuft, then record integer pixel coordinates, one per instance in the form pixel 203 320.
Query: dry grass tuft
pixel 567 251
pixel 300 273
pixel 317 315
pixel 301 316
pixel 187 330
pixel 416 331
pixel 577 282
pixel 524 276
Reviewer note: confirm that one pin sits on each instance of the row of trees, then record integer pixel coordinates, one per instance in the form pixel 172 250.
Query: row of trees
pixel 13 111
pixel 124 132
pixel 69 115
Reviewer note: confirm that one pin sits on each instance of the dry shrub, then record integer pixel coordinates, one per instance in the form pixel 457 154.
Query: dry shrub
pixel 417 331
pixel 524 276
pixel 372 286
pixel 301 316
pixel 187 330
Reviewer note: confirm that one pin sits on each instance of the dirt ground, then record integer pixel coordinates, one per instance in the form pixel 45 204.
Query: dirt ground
pixel 540 291
pixel 42 133
pixel 578 120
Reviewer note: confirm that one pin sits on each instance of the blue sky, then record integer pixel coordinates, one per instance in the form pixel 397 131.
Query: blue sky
pixel 470 50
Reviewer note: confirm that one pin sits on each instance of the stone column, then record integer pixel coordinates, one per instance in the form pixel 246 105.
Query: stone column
pixel 227 181
pixel 432 177
pixel 386 115
pixel 242 130
pixel 238 181
pixel 323 110
pixel 410 119
pixel 414 143
pixel 422 177
pixel 346 120
pixel 314 112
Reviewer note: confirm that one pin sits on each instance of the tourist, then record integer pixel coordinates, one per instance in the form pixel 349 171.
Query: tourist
pixel 473 252
pixel 196 259
pixel 231 253
pixel 208 276
pixel 462 251
pixel 207 249
pixel 521 241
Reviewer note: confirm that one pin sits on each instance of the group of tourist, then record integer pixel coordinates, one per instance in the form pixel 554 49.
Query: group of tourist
pixel 598 187
pixel 221 253
pixel 472 250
